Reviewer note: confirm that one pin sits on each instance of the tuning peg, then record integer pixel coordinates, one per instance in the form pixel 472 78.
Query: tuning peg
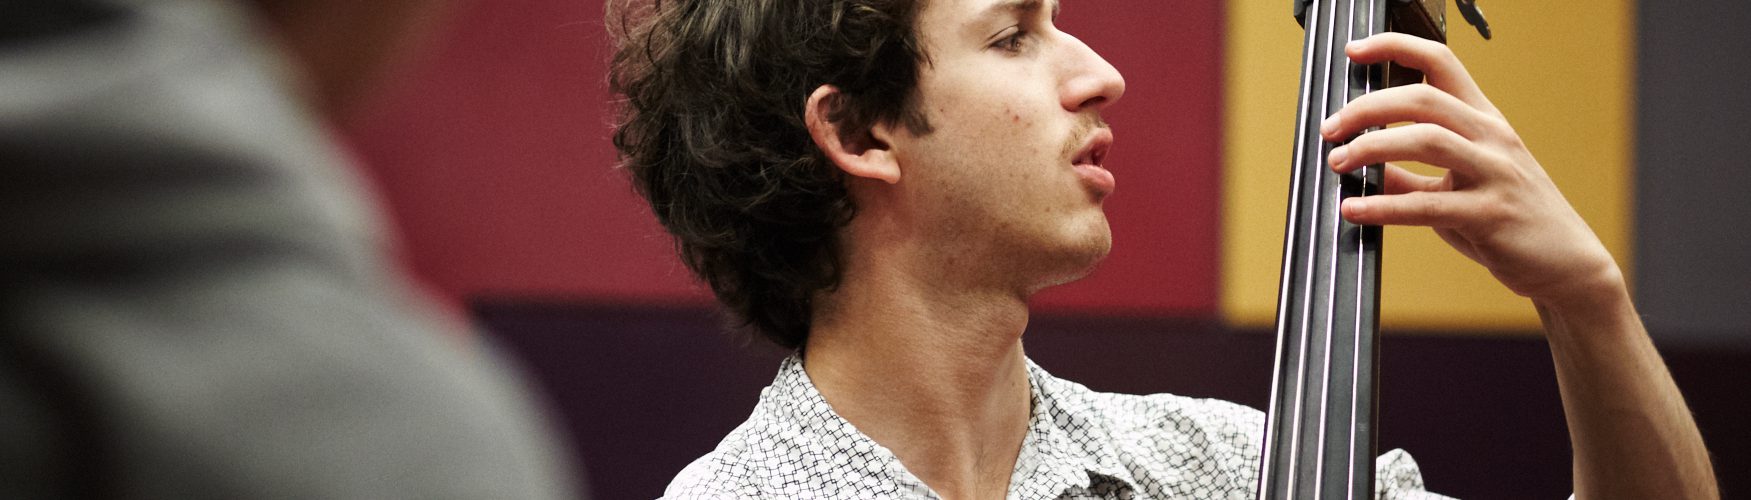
pixel 1468 8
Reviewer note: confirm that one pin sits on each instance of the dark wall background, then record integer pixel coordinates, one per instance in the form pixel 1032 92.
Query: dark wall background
pixel 643 391
pixel 1693 181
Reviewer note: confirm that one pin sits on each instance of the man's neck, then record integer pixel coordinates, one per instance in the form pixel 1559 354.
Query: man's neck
pixel 937 376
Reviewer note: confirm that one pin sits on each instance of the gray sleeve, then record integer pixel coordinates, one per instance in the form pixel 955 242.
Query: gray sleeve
pixel 192 299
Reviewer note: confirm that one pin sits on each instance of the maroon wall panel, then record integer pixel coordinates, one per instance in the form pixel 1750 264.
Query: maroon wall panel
pixel 1168 128
pixel 494 159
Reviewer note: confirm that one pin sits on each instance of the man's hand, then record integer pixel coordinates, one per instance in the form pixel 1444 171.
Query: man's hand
pixel 1632 434
pixel 1495 204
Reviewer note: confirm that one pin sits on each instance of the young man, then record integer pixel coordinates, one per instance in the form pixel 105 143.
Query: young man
pixel 882 184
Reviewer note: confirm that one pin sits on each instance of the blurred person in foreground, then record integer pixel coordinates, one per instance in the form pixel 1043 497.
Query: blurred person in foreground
pixel 194 301
pixel 881 185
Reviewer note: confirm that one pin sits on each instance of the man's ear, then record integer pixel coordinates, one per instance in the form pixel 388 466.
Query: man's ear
pixel 861 153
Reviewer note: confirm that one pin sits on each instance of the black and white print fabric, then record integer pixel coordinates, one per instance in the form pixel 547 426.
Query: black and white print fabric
pixel 1081 444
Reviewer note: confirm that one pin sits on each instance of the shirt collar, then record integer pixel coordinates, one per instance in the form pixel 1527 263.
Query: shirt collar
pixel 1051 461
pixel 1060 458
pixel 857 463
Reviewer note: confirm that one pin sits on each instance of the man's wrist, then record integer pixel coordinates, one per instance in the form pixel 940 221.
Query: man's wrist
pixel 1604 286
pixel 1600 303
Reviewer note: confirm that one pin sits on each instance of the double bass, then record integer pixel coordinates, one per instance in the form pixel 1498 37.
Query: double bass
pixel 1319 430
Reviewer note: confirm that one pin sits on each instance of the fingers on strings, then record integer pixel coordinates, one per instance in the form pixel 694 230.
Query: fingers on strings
pixel 1421 142
pixel 1434 59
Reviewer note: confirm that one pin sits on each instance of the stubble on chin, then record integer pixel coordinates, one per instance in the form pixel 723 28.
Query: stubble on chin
pixel 1071 259
pixel 1011 240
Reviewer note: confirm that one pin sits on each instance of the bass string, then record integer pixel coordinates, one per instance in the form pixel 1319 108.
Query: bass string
pixel 1273 418
pixel 1326 25
pixel 1337 91
pixel 1375 12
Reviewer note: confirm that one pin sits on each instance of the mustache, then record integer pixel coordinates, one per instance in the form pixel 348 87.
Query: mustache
pixel 1079 135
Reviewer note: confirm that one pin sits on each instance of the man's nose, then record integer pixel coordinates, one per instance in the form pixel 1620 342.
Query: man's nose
pixel 1092 83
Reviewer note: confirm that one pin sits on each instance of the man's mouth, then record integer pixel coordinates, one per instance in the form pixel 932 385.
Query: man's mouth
pixel 1090 161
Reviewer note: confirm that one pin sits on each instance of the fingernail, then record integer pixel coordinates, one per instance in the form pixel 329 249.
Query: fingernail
pixel 1354 207
pixel 1329 125
pixel 1338 156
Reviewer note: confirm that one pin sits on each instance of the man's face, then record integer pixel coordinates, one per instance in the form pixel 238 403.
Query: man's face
pixel 1009 180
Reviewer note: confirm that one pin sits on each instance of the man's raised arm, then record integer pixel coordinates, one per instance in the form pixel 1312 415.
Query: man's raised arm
pixel 1632 434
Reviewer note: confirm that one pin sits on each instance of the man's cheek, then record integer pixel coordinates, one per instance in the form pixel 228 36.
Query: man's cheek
pixel 1017 119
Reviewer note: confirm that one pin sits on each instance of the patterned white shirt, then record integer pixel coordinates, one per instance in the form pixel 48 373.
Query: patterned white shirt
pixel 1080 444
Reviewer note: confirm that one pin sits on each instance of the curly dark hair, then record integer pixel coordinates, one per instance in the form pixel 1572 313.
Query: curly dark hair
pixel 711 130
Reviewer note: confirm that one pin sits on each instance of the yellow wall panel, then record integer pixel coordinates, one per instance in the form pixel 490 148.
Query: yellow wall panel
pixel 1562 72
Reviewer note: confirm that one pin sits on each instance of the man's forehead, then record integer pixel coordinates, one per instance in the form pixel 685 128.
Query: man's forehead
pixel 968 10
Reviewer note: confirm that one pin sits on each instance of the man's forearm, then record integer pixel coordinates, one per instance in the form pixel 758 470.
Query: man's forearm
pixel 1632 434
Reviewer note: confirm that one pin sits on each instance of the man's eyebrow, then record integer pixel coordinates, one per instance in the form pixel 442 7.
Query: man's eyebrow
pixel 1020 6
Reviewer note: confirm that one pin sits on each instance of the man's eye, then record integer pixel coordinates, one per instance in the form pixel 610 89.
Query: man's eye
pixel 1014 42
